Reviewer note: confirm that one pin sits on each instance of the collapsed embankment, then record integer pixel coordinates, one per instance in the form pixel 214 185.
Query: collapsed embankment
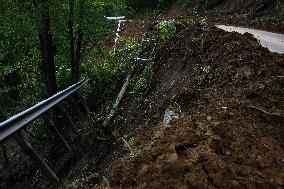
pixel 228 93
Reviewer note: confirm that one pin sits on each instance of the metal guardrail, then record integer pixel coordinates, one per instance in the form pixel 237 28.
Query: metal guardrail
pixel 13 125
pixel 22 119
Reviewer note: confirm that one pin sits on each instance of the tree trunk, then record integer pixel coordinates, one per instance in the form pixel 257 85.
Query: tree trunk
pixel 46 47
pixel 72 40
pixel 79 42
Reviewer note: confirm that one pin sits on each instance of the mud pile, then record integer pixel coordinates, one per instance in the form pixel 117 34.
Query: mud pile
pixel 228 91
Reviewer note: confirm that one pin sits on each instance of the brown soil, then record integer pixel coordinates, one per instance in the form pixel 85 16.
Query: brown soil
pixel 230 92
pixel 135 28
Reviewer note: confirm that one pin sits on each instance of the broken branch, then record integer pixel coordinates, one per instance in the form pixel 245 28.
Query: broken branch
pixel 128 145
pixel 266 112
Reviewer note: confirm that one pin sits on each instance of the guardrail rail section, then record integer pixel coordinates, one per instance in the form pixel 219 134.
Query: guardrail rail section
pixel 12 127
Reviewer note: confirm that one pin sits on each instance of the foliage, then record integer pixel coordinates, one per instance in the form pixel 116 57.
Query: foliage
pixel 128 53
pixel 20 66
pixel 17 65
pixel 110 68
pixel 140 83
pixel 21 84
pixel 72 185
pixel 202 20
pixel 134 146
pixel 166 30
pixel 280 9
pixel 127 50
pixel 193 11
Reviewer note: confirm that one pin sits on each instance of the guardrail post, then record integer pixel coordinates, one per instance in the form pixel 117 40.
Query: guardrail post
pixel 83 102
pixel 63 110
pixel 56 131
pixel 4 156
pixel 77 109
pixel 27 147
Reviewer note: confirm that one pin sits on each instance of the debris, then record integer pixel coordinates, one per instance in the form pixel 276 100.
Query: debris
pixel 265 112
pixel 128 145
pixel 118 99
pixel 107 183
pixel 168 116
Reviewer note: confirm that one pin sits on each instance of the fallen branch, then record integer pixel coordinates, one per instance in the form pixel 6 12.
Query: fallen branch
pixel 118 99
pixel 106 181
pixel 265 112
pixel 128 145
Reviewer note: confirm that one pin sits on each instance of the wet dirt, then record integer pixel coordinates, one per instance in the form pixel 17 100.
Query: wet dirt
pixel 230 135
pixel 273 41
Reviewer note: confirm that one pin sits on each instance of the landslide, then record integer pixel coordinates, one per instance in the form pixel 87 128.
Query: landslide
pixel 228 92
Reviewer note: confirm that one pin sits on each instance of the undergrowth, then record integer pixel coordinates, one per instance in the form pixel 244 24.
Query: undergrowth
pixel 110 69
pixel 140 83
pixel 166 30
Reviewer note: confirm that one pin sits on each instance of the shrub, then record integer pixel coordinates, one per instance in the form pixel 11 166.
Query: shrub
pixel 110 68
pixel 193 11
pixel 166 30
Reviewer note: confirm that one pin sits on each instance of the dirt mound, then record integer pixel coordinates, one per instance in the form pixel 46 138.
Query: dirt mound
pixel 228 92
pixel 194 154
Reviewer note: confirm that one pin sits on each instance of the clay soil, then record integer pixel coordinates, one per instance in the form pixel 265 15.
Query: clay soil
pixel 228 92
